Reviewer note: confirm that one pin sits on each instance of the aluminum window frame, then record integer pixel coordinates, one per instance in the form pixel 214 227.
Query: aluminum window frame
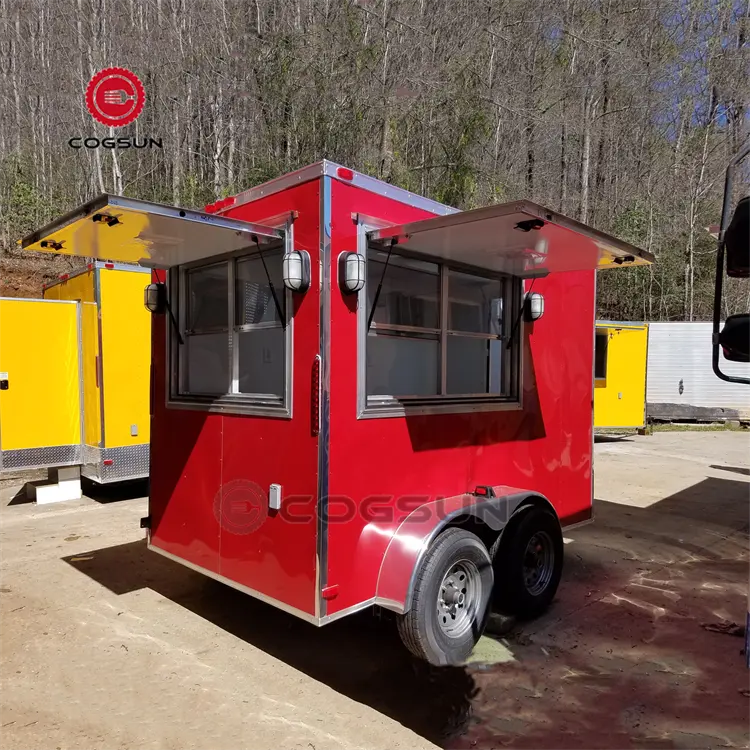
pixel 369 407
pixel 266 405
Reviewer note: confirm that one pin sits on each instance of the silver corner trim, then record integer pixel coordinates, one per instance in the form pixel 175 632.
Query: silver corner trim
pixel 348 611
pixel 378 601
pixel 371 222
pixel 81 391
pixel 283 182
pixel 107 266
pixel 72 275
pixel 100 352
pixel 391 604
pixel 324 374
pixel 593 395
pixel 233 584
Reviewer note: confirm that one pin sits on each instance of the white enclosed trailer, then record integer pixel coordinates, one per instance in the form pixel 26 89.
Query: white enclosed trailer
pixel 681 384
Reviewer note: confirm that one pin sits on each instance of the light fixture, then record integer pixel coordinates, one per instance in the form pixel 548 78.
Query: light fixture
pixel 351 272
pixel 154 298
pixel 533 307
pixel 296 270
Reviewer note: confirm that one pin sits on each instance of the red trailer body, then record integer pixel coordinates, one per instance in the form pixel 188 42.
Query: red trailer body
pixel 311 448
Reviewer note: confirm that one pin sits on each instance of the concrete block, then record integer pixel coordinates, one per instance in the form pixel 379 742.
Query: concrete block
pixel 63 483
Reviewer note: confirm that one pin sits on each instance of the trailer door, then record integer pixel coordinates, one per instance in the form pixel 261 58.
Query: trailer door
pixel 40 384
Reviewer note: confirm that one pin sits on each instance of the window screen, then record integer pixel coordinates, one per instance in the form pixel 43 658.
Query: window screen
pixel 207 297
pixel 474 349
pixel 436 332
pixel 260 334
pixel 404 342
pixel 244 359
pixel 206 355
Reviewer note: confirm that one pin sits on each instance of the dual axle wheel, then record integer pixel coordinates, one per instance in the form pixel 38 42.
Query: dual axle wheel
pixel 459 581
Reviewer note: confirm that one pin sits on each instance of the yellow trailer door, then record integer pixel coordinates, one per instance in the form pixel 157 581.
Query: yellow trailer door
pixel 40 383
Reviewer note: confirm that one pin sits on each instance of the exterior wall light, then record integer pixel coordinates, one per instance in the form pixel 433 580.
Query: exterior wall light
pixel 296 270
pixel 533 307
pixel 155 297
pixel 352 272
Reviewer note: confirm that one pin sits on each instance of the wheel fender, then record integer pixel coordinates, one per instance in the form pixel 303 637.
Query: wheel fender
pixel 416 532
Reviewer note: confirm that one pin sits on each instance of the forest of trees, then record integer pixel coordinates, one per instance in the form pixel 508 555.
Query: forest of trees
pixel 620 113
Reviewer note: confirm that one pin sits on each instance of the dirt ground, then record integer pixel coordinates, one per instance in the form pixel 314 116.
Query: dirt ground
pixel 105 645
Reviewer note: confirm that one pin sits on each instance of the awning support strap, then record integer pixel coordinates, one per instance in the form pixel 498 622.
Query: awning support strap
pixel 380 285
pixel 270 284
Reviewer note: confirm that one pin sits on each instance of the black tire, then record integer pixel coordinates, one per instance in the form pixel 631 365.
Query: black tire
pixel 448 636
pixel 517 592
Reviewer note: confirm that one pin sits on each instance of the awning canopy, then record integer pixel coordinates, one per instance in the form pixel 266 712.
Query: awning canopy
pixel 519 238
pixel 131 231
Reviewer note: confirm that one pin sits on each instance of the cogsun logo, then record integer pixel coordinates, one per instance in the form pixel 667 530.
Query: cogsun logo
pixel 115 97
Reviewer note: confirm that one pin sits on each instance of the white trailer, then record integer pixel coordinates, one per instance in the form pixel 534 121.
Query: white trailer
pixel 681 384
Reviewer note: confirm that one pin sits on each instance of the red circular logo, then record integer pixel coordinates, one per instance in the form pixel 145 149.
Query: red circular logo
pixel 240 506
pixel 115 97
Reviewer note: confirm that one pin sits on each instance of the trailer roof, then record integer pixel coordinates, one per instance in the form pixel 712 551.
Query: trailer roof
pixel 343 174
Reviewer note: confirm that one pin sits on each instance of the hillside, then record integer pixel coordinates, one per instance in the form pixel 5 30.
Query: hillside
pixel 621 115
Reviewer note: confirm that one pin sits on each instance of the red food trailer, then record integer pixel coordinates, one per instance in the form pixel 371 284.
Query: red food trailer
pixel 363 397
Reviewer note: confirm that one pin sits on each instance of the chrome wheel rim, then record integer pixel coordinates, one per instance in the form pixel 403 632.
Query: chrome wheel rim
pixel 458 598
pixel 538 563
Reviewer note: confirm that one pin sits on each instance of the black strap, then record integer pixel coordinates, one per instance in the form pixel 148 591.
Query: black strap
pixel 270 283
pixel 380 285
pixel 520 313
pixel 172 317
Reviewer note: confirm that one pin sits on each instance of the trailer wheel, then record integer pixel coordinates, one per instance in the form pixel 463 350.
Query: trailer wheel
pixel 528 563
pixel 451 598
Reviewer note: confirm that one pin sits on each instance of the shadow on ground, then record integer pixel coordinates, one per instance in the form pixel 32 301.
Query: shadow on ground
pixel 109 493
pixel 736 469
pixel 433 702
pixel 618 437
pixel 621 659
pixel 21 497
pixel 101 493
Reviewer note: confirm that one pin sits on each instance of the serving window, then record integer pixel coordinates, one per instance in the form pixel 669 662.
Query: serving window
pixel 236 334
pixel 440 337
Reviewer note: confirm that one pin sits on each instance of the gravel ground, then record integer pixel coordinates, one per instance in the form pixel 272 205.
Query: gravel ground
pixel 105 645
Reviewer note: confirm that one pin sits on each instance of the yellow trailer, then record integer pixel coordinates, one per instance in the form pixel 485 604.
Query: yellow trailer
pixel 620 375
pixel 77 371
pixel 40 384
